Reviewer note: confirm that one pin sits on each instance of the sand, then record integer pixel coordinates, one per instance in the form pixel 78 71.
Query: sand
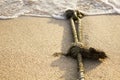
pixel 27 45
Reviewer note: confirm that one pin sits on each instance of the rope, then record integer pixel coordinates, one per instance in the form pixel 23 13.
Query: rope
pixel 77 36
pixel 77 50
pixel 74 31
pixel 80 33
pixel 79 56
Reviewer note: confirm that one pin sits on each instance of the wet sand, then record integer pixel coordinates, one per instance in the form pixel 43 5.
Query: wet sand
pixel 27 45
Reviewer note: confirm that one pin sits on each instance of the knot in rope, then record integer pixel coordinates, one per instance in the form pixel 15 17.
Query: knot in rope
pixel 74 14
pixel 77 47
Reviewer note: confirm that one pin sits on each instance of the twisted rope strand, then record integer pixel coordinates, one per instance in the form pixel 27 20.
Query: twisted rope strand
pixel 80 33
pixel 79 56
pixel 77 36
pixel 78 50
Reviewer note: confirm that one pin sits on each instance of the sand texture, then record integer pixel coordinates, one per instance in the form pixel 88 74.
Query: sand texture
pixel 27 45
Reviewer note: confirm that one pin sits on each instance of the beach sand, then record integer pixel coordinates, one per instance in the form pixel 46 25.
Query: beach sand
pixel 27 45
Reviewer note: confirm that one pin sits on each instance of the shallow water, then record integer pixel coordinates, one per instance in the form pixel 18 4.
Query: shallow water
pixel 56 8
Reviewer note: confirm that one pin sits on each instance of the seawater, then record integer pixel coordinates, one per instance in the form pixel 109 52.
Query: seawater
pixel 56 8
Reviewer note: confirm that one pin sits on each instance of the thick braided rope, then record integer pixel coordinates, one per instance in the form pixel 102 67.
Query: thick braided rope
pixel 77 35
pixel 79 56
pixel 80 33
pixel 77 49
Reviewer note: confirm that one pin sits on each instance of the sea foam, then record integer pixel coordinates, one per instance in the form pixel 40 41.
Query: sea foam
pixel 56 8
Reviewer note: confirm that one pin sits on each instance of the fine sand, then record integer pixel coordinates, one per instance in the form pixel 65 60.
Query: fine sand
pixel 27 45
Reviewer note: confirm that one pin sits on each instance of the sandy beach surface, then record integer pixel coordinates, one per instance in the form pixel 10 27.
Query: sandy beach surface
pixel 27 45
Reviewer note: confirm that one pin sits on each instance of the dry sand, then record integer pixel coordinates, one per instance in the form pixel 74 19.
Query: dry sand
pixel 27 45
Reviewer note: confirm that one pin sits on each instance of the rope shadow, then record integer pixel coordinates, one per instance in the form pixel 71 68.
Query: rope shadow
pixel 90 64
pixel 68 66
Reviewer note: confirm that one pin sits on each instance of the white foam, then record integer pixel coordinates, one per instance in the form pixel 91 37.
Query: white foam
pixel 56 8
pixel 114 3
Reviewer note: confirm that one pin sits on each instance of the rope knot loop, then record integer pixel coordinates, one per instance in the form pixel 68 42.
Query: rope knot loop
pixel 71 14
pixel 75 14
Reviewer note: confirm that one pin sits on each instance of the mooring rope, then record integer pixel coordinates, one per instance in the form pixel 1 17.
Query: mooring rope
pixel 74 30
pixel 80 33
pixel 79 56
pixel 77 36
pixel 78 51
